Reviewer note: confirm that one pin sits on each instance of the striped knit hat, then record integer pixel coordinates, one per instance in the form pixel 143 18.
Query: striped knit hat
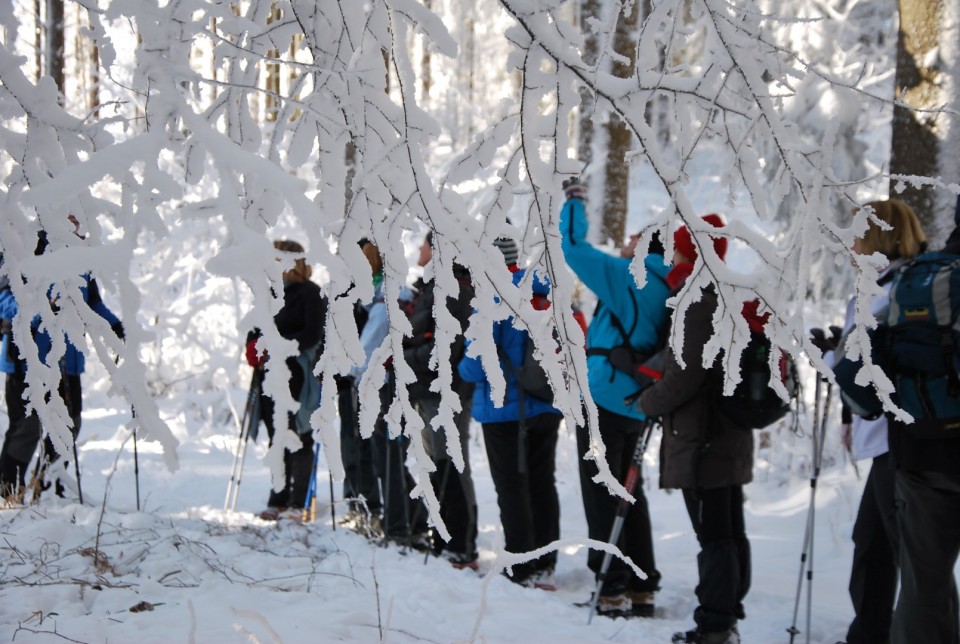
pixel 509 249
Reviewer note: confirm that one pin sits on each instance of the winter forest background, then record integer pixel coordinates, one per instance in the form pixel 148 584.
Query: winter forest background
pixel 186 135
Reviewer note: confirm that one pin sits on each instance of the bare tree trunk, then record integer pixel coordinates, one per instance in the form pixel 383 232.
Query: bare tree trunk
pixel 93 91
pixel 38 38
pixel 272 70
pixel 426 79
pixel 591 51
pixel 918 146
pixel 619 138
pixel 55 46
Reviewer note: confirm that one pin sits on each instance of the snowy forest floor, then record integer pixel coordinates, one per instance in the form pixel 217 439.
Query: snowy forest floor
pixel 79 573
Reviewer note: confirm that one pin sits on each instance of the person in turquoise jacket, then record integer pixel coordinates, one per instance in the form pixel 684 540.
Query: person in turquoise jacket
pixel 638 317
pixel 23 431
pixel 520 437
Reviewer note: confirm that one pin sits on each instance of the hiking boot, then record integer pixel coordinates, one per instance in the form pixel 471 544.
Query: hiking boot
pixel 419 541
pixel 700 636
pixel 292 514
pixel 271 514
pixel 544 580
pixel 643 605
pixel 460 560
pixel 618 605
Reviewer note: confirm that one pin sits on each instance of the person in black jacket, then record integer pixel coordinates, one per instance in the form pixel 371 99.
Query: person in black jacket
pixel 453 487
pixel 301 318
pixel 928 500
pixel 705 454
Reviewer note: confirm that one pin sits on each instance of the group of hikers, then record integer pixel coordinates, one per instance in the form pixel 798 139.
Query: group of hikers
pixel 909 493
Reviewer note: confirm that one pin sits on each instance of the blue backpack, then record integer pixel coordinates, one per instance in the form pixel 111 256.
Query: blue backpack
pixel 918 347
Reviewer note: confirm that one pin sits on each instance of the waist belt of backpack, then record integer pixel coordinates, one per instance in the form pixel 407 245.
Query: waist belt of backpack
pixel 618 325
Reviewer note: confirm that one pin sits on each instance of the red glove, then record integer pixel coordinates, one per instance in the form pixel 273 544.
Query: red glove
pixel 254 357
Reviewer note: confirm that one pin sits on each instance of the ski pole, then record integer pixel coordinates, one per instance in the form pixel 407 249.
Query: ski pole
pixel 76 469
pixel 633 475
pixel 333 505
pixel 251 423
pixel 252 394
pixel 806 556
pixel 136 459
pixel 310 503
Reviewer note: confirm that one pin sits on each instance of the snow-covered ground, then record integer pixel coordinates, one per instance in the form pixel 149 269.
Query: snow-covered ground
pixel 214 576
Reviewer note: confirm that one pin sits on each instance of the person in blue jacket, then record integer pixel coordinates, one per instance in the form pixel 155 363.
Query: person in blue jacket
pixel 638 317
pixel 521 442
pixel 24 431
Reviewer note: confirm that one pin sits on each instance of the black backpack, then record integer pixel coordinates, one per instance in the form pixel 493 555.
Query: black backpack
pixel 754 404
pixel 530 376
pixel 644 367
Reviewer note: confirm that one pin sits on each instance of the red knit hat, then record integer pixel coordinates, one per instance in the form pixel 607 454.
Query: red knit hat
pixel 683 242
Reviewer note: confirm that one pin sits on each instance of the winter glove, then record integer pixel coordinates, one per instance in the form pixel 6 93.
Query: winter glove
pixel 573 189
pixel 118 331
pixel 824 343
pixel 254 357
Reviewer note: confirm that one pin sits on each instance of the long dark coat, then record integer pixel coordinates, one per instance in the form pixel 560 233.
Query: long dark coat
pixel 700 447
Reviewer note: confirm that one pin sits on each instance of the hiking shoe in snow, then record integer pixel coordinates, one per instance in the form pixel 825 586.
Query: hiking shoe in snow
pixel 618 605
pixel 642 603
pixel 544 580
pixel 292 514
pixel 417 541
pixel 271 514
pixel 699 636
pixel 460 560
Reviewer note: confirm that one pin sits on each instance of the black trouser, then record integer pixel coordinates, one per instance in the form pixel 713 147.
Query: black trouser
pixel 360 479
pixel 24 431
pixel 297 465
pixel 20 441
pixel 454 488
pixel 620 435
pixel 529 506
pixel 402 516
pixel 724 558
pixel 929 518
pixel 874 574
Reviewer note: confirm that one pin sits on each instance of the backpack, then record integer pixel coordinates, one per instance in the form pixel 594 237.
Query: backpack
pixel 530 375
pixel 754 404
pixel 644 367
pixel 918 345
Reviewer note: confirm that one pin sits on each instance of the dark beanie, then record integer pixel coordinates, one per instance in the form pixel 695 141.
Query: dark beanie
pixel 509 249
pixel 683 242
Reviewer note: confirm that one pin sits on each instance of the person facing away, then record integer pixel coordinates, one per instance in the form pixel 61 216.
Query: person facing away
pixel 454 488
pixel 705 455
pixel 404 520
pixel 874 572
pixel 520 437
pixel 301 319
pixel 625 314
pixel 927 488
pixel 24 430
pixel 360 485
